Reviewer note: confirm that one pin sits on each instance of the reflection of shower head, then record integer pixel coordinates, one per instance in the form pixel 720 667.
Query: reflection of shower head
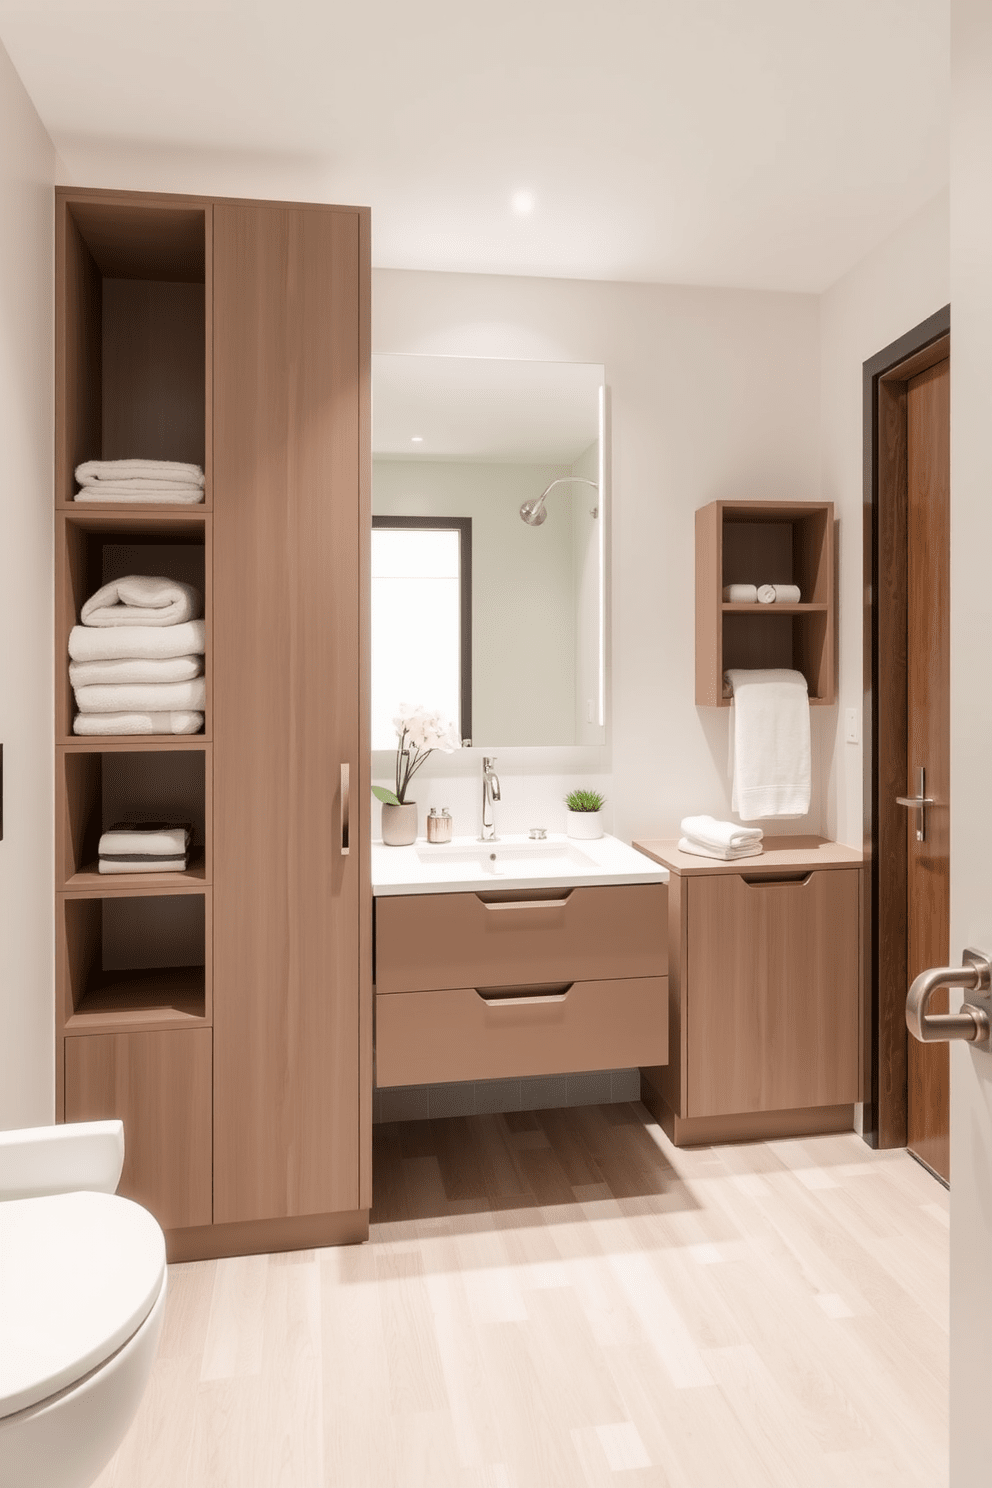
pixel 535 512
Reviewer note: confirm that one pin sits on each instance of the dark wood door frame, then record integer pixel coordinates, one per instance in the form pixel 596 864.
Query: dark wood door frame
pixel 885 377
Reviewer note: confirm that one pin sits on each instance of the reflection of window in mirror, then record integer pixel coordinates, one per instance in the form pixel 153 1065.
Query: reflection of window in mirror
pixel 421 620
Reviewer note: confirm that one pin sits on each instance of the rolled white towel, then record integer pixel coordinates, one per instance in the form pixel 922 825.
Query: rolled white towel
pixel 176 471
pixel 141 492
pixel 700 850
pixel 90 643
pixel 140 599
pixel 740 594
pixel 137 723
pixel 128 670
pixel 766 594
pixel 787 594
pixel 147 697
pixel 722 836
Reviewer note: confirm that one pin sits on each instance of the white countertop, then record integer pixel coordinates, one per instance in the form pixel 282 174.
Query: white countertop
pixel 511 862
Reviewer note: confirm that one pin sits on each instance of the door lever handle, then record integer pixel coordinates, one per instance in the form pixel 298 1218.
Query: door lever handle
pixel 919 803
pixel 972 1022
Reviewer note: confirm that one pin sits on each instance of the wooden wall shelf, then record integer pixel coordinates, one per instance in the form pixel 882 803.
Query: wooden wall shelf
pixel 765 542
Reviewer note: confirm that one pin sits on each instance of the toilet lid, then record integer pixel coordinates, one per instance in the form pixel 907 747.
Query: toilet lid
pixel 79 1273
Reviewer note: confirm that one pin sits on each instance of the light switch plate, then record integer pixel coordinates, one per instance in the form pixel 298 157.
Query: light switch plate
pixel 852 726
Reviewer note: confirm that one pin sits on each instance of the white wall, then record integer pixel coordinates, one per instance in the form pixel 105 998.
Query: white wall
pixel 27 1031
pixel 971 722
pixel 902 282
pixel 715 393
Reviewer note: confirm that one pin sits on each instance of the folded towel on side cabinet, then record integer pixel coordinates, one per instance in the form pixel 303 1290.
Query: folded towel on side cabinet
pixel 90 643
pixel 141 599
pixel 146 840
pixel 721 836
pixel 729 855
pixel 148 697
pixel 137 723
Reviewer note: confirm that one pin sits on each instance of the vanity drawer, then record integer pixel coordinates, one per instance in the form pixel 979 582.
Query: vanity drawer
pixel 528 936
pixel 461 1033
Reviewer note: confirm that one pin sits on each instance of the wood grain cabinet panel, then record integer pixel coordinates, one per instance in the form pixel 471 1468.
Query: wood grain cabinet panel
pixel 468 1034
pixel 158 1084
pixel 427 941
pixel 772 975
pixel 289 700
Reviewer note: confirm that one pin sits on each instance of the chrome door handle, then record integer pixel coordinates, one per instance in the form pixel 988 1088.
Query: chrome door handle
pixel 919 803
pixel 345 810
pixel 972 1022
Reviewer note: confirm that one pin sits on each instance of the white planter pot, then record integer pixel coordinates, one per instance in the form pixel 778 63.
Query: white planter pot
pixel 587 824
pixel 399 824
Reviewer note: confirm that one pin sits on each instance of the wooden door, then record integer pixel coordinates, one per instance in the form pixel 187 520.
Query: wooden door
pixel 288 701
pixel 928 688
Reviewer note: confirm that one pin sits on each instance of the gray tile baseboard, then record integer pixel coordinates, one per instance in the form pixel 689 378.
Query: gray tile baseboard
pixel 486 1097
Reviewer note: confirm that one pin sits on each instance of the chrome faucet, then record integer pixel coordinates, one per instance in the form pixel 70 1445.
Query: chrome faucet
pixel 490 793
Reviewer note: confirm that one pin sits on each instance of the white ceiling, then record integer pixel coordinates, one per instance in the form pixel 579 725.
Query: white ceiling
pixel 765 143
pixel 477 408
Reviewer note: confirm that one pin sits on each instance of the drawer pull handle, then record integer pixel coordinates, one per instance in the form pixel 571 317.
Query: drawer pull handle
pixel 799 879
pixel 345 810
pixel 496 997
pixel 523 903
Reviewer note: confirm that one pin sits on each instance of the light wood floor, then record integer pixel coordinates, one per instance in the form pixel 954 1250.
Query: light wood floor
pixel 562 1298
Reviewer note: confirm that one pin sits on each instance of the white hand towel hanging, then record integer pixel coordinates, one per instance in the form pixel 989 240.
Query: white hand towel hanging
pixel 770 756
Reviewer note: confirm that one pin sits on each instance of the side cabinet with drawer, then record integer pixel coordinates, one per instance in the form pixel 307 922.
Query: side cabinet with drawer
pixel 765 992
pixel 532 982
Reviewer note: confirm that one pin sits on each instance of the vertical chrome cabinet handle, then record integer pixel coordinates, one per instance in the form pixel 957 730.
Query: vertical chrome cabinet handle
pixel 345 810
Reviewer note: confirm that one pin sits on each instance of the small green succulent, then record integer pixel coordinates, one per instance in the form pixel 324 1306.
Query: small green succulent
pixel 584 800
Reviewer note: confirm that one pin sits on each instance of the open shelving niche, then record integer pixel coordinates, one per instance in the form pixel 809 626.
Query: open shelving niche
pixel 133 354
pixel 765 542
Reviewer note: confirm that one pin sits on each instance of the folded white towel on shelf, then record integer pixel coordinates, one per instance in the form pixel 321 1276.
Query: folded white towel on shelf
pixel 766 593
pixel 145 840
pixel 157 865
pixel 177 471
pixel 770 759
pixel 151 492
pixel 140 599
pixel 787 594
pixel 740 593
pixel 700 850
pixel 130 669
pixel 90 643
pixel 721 836
pixel 144 697
pixel 137 723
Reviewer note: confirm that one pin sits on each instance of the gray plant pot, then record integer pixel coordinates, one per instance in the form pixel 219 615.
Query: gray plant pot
pixel 399 824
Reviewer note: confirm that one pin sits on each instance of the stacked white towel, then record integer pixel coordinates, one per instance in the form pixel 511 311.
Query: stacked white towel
pixel 137 659
pixel 170 482
pixel 709 838
pixel 145 847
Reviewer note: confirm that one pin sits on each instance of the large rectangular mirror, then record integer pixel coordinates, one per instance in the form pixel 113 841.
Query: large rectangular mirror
pixel 488 602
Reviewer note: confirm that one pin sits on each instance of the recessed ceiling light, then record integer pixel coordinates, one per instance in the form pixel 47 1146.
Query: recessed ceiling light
pixel 522 202
pixel 416 438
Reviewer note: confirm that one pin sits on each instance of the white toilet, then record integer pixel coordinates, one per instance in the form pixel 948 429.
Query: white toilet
pixel 82 1298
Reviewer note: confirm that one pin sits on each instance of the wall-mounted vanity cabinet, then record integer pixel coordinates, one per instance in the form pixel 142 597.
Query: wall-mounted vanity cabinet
pixel 765 992
pixel 514 982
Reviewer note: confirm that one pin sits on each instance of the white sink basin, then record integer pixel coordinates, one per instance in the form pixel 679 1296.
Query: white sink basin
pixel 544 859
pixel 513 862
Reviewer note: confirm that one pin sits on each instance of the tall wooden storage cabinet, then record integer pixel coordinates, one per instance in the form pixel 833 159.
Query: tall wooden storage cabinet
pixel 224 1013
